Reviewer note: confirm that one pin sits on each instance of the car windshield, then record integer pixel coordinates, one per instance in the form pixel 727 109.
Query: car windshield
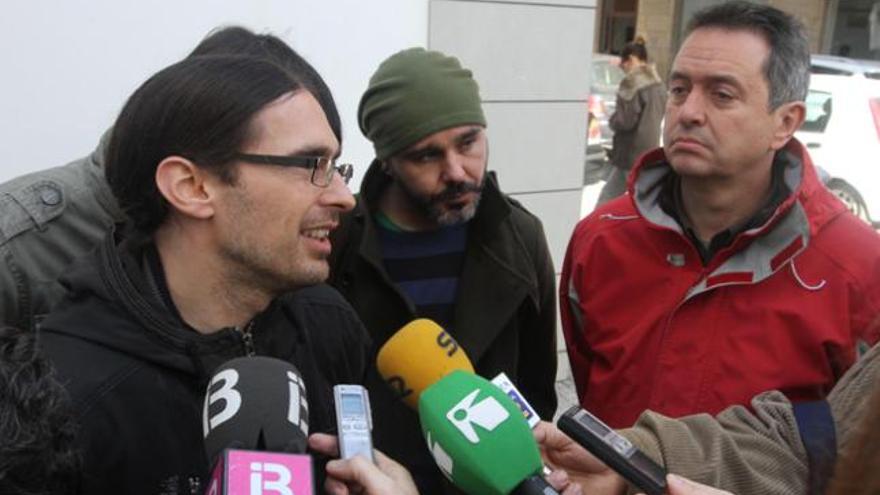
pixel 818 111
pixel 834 71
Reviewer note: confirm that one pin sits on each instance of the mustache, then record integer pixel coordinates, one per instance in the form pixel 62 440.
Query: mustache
pixel 331 217
pixel 456 189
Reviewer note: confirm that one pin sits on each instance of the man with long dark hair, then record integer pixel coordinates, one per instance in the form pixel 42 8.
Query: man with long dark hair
pixel 225 169
pixel 51 217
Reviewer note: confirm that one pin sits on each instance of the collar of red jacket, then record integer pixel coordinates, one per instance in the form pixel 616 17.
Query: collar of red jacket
pixel 759 252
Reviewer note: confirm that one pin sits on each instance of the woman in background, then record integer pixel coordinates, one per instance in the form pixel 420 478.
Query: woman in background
pixel 641 101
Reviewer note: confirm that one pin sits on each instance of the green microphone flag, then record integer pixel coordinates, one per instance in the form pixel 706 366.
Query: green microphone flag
pixel 477 435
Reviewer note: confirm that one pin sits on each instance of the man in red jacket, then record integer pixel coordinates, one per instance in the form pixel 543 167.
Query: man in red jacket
pixel 728 269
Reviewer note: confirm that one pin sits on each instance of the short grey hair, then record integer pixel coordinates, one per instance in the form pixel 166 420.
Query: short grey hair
pixel 787 68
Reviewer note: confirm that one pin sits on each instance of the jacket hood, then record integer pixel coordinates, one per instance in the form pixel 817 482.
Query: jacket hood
pixel 111 303
pixel 640 77
pixel 800 177
pixel 785 235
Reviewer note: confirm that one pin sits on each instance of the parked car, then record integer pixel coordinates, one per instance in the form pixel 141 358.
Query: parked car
pixel 842 130
pixel 842 66
pixel 605 77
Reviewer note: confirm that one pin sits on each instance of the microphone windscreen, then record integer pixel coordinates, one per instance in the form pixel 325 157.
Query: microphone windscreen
pixel 417 356
pixel 255 403
pixel 477 435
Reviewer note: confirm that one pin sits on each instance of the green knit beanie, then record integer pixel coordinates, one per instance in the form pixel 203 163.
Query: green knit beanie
pixel 414 94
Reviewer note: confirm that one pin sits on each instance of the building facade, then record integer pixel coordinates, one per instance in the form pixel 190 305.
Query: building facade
pixel 837 27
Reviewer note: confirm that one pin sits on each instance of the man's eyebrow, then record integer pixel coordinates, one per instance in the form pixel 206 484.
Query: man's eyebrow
pixel 678 76
pixel 725 79
pixel 423 150
pixel 712 79
pixel 316 150
pixel 470 134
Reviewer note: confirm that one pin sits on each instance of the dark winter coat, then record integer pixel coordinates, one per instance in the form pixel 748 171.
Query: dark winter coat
pixel 137 376
pixel 505 315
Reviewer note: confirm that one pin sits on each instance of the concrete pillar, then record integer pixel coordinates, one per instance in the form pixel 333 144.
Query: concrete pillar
pixel 656 22
pixel 811 13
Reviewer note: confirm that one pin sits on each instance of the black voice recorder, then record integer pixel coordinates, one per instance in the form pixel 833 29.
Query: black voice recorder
pixel 614 450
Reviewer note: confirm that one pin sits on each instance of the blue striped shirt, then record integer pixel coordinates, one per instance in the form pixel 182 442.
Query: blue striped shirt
pixel 425 266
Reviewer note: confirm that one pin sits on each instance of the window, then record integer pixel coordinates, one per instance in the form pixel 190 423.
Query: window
pixel 818 111
pixel 820 69
pixel 607 74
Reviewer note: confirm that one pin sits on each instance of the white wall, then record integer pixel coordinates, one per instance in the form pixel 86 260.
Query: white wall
pixel 531 59
pixel 68 66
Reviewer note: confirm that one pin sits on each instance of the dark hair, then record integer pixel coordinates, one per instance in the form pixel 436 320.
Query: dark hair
pixel 787 68
pixel 200 108
pixel 37 430
pixel 236 40
pixel 635 48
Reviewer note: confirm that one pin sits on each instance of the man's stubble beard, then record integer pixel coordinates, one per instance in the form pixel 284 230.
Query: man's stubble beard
pixel 252 266
pixel 430 207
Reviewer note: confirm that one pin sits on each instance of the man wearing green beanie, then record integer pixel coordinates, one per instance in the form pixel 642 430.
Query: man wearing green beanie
pixel 432 236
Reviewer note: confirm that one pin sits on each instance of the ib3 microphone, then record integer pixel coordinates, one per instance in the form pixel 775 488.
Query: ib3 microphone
pixel 255 421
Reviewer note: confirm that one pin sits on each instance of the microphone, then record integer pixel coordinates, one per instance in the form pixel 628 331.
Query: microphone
pixel 255 422
pixel 503 382
pixel 479 437
pixel 417 356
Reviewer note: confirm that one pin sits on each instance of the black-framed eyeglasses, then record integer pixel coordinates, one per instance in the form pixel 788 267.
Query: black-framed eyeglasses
pixel 322 167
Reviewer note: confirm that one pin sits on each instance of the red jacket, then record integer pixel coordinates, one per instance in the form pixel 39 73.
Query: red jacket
pixel 784 307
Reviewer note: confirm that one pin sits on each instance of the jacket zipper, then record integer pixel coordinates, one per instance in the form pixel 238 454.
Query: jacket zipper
pixel 667 324
pixel 247 338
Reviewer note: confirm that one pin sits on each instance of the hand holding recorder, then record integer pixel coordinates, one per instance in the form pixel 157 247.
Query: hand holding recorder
pixel 598 457
pixel 357 475
pixel 561 452
pixel 614 450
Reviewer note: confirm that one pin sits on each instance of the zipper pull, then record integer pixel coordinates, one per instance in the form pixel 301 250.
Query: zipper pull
pixel 247 338
pixel 195 485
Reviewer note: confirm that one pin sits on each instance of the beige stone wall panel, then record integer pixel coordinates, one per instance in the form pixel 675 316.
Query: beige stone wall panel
pixel 656 21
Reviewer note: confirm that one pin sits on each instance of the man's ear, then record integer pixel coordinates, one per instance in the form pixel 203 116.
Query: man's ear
pixel 187 187
pixel 788 118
